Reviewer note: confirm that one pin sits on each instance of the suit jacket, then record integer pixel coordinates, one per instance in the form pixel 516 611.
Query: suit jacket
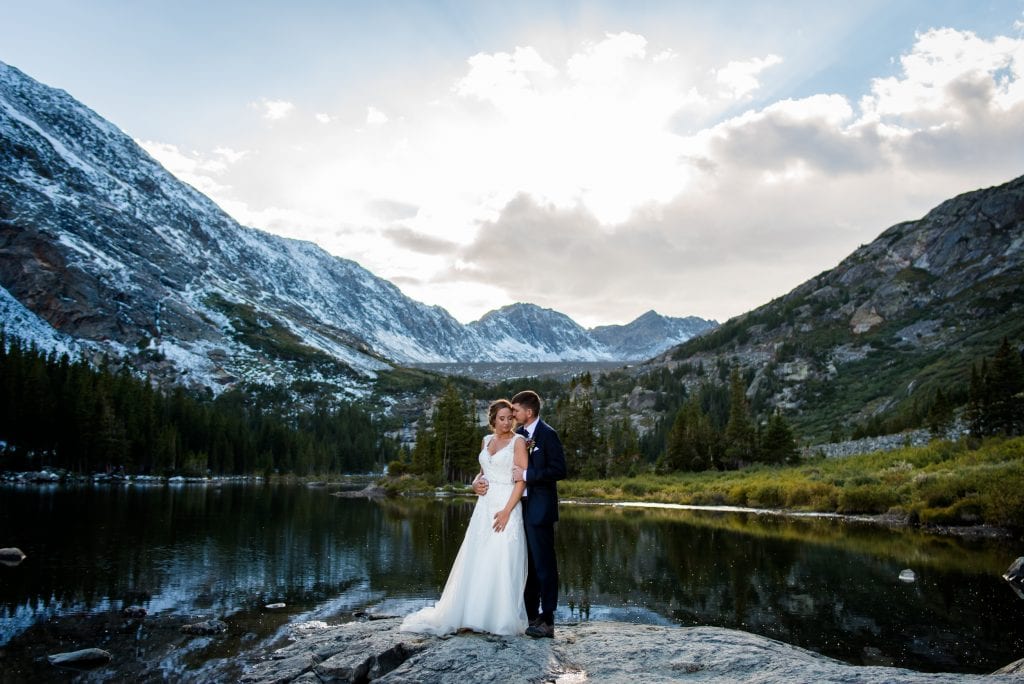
pixel 546 466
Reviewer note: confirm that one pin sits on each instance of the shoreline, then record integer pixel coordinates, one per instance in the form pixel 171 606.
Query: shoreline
pixel 345 487
pixel 979 531
pixel 892 520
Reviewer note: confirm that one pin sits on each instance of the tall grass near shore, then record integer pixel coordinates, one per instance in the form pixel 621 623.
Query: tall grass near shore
pixel 943 483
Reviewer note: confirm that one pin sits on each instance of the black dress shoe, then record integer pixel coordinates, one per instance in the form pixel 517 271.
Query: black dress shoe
pixel 536 621
pixel 541 631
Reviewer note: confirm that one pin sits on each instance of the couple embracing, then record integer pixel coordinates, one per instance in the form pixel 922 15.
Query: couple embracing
pixel 505 577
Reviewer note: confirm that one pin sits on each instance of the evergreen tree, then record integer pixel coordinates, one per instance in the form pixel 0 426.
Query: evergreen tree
pixel 778 444
pixel 456 438
pixel 578 431
pixel 1005 392
pixel 940 414
pixel 74 416
pixel 976 408
pixel 690 442
pixel 739 432
pixel 623 448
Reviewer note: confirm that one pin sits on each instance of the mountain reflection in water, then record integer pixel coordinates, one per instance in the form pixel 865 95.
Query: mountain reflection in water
pixel 192 552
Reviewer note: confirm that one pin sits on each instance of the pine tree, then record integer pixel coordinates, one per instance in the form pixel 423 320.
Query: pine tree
pixel 623 447
pixel 454 448
pixel 1005 392
pixel 940 414
pixel 579 436
pixel 690 442
pixel 778 444
pixel 739 432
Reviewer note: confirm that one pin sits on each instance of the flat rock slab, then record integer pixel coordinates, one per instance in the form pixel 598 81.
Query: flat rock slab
pixel 585 652
pixel 85 659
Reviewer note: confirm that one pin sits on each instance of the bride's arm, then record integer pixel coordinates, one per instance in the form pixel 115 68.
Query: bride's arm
pixel 520 459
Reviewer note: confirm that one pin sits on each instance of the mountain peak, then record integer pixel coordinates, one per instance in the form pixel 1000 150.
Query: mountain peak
pixel 107 249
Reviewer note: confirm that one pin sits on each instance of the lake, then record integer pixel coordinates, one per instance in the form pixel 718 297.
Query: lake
pixel 192 552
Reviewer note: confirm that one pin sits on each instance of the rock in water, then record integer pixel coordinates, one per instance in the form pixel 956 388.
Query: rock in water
pixel 1015 573
pixel 206 628
pixel 134 612
pixel 1015 576
pixel 11 556
pixel 274 606
pixel 86 659
pixel 908 576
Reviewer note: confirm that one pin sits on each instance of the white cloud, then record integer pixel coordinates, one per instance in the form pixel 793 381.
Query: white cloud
pixel 619 171
pixel 607 60
pixel 739 79
pixel 502 76
pixel 199 171
pixel 937 76
pixel 275 110
pixel 375 117
pixel 322 117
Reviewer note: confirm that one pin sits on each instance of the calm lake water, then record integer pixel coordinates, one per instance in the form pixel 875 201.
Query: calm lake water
pixel 193 552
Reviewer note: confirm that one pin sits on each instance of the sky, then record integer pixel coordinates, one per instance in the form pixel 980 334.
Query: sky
pixel 601 159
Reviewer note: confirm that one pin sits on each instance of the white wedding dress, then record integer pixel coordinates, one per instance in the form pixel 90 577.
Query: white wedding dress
pixel 484 591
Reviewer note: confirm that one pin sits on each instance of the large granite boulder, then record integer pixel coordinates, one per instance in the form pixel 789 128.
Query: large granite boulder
pixel 585 652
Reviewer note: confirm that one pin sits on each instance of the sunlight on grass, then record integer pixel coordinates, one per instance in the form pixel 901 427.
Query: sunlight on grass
pixel 947 483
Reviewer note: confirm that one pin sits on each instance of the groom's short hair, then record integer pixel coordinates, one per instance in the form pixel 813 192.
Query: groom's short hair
pixel 528 399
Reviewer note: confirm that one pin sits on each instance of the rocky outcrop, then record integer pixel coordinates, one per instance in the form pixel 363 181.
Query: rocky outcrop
pixel 905 315
pixel 585 652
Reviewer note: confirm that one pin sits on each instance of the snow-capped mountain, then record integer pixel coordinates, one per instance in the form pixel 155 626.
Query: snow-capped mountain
pixel 102 250
pixel 524 331
pixel 649 335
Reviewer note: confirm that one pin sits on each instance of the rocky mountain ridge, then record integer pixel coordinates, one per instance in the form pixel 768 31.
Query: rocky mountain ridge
pixel 877 335
pixel 111 254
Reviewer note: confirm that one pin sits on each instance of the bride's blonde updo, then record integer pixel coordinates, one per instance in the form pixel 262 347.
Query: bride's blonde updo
pixel 497 405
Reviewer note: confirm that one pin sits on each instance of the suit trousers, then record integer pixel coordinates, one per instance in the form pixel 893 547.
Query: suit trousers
pixel 542 579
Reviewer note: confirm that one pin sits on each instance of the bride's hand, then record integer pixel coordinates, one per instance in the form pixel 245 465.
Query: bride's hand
pixel 500 520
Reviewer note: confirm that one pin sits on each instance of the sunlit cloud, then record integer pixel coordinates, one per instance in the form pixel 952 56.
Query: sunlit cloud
pixel 375 117
pixel 200 171
pixel 626 172
pixel 739 79
pixel 275 110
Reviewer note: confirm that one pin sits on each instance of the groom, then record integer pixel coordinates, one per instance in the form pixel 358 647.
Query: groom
pixel 546 465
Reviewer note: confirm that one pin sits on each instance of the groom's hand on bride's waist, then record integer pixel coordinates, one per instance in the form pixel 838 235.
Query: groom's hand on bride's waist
pixel 480 485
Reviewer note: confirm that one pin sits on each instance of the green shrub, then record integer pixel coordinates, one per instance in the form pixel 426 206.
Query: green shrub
pixel 866 499
pixel 635 488
pixel 766 495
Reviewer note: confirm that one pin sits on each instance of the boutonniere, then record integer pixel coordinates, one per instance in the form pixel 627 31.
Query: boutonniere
pixel 530 443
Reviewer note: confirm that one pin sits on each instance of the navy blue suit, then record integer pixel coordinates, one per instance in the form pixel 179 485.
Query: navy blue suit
pixel 540 512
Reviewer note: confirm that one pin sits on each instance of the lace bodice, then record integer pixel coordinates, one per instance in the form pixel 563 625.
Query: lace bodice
pixel 498 468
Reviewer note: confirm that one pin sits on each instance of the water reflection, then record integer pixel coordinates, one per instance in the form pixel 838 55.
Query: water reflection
pixel 228 551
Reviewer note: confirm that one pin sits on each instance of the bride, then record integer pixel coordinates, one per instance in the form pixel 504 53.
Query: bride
pixel 484 591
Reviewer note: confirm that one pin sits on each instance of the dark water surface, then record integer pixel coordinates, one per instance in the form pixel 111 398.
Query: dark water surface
pixel 193 552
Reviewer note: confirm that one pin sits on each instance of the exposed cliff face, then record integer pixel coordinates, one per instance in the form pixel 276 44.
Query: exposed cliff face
pixel 106 247
pixel 896 320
